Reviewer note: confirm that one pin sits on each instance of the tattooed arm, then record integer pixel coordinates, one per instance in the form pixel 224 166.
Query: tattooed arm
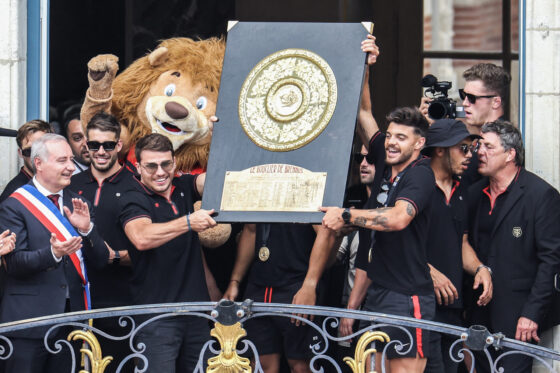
pixel 387 219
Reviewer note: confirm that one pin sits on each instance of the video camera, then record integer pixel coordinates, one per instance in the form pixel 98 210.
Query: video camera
pixel 441 106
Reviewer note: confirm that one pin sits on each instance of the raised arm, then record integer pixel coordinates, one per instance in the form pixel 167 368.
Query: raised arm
pixel 367 124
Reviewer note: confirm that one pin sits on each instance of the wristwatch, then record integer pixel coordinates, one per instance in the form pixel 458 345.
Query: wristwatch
pixel 483 266
pixel 346 215
pixel 117 258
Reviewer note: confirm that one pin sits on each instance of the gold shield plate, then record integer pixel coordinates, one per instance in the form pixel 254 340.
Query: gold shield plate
pixel 287 100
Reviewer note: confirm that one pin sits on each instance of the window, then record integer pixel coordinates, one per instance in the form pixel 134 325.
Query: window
pixel 461 33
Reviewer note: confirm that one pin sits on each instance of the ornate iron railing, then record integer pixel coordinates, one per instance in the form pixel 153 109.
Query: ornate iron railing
pixel 230 341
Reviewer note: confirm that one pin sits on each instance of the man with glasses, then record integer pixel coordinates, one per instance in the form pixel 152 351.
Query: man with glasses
pixel 159 219
pixel 26 135
pixel 514 218
pixel 450 147
pixel 103 184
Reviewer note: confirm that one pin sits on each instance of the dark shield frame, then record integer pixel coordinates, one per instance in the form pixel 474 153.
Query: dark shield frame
pixel 288 103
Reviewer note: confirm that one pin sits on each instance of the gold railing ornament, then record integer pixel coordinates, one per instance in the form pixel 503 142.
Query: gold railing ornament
pixel 92 349
pixel 362 352
pixel 228 361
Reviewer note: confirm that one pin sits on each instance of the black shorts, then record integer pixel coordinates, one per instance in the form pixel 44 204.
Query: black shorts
pixel 276 335
pixel 391 302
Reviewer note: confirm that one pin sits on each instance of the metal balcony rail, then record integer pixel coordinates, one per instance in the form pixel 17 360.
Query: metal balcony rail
pixel 228 318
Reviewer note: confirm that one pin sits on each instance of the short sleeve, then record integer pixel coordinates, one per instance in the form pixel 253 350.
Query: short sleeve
pixel 134 205
pixel 417 187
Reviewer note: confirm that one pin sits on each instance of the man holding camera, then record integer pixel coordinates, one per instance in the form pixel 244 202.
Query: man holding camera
pixel 484 96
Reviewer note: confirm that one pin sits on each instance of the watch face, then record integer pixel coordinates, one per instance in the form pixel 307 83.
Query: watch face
pixel 346 216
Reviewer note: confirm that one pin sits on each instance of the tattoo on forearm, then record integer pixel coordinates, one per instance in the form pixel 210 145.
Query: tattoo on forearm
pixel 380 220
pixel 409 209
pixel 360 221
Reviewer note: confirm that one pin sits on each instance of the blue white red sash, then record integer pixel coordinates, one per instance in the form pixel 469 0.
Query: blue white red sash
pixel 46 212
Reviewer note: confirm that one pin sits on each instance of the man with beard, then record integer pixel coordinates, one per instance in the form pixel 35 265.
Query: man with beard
pixel 103 184
pixel 75 134
pixel 450 146
pixel 26 135
pixel 397 280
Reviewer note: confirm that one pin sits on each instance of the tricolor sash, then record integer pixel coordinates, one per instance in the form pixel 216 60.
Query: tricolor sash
pixel 46 212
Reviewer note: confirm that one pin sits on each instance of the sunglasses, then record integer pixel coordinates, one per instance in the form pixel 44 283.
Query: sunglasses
pixel 472 98
pixel 151 168
pixel 359 158
pixel 26 152
pixel 96 145
pixel 465 148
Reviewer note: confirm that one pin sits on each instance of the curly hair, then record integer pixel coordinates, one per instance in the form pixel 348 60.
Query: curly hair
pixel 203 60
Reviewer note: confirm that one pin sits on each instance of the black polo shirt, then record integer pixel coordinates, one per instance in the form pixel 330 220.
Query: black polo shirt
pixel 398 260
pixel 110 287
pixel 448 224
pixel 174 271
pixel 19 180
pixel 289 246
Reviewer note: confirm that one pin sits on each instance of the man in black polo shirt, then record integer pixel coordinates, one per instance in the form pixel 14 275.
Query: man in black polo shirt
pixel 450 145
pixel 397 273
pixel 103 184
pixel 514 228
pixel 286 268
pixel 158 218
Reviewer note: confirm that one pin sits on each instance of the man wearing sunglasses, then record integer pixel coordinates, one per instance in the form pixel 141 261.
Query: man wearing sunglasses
pixel 103 184
pixel 159 219
pixel 450 147
pixel 485 93
pixel 26 135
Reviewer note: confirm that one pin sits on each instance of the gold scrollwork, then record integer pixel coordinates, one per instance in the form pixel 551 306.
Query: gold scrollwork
pixel 287 100
pixel 362 352
pixel 228 361
pixel 97 362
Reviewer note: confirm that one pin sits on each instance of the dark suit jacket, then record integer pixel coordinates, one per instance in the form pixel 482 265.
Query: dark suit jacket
pixel 524 253
pixel 36 284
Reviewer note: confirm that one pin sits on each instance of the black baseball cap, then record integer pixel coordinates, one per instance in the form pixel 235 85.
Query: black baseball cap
pixel 447 132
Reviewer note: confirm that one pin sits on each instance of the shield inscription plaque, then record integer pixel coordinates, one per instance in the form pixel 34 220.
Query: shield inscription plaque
pixel 288 102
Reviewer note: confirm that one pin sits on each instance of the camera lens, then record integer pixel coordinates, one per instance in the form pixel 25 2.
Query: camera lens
pixel 437 110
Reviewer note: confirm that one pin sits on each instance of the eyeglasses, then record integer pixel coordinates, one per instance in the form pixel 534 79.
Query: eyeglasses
pixel 96 145
pixel 359 158
pixel 166 166
pixel 384 193
pixel 26 152
pixel 465 148
pixel 472 98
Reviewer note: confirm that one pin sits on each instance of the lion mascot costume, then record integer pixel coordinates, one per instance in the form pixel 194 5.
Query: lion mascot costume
pixel 172 91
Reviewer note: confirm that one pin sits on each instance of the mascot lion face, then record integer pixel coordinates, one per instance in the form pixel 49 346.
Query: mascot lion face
pixel 173 91
pixel 179 109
